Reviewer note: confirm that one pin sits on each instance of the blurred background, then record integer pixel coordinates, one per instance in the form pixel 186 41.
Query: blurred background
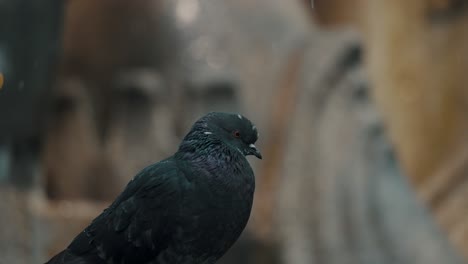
pixel 362 108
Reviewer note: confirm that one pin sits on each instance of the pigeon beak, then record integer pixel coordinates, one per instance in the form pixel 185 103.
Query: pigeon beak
pixel 254 151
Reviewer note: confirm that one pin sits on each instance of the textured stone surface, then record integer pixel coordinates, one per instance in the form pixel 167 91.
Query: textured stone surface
pixel 344 198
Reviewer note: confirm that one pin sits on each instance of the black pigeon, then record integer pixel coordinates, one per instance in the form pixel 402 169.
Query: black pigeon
pixel 188 208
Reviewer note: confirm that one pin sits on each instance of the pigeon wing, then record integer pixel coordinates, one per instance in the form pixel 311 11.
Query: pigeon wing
pixel 138 225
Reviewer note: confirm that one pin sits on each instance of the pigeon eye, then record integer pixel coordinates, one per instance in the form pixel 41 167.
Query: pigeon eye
pixel 236 133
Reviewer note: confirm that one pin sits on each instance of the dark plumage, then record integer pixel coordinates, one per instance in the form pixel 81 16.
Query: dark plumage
pixel 188 208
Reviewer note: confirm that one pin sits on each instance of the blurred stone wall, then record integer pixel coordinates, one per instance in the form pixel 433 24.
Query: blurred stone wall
pixel 344 198
pixel 133 76
pixel 415 53
pixel 29 43
pixel 421 89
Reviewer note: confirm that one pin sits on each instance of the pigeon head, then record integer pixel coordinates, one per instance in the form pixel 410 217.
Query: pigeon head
pixel 232 130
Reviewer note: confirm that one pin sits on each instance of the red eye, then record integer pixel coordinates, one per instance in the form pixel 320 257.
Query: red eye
pixel 236 133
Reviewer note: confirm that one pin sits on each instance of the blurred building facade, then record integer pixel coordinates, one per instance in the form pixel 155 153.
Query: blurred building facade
pixel 364 134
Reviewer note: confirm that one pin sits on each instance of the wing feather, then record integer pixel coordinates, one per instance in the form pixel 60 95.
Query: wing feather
pixel 138 225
